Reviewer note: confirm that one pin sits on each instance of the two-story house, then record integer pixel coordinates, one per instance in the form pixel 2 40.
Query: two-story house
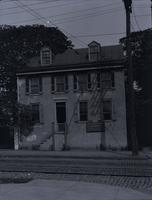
pixel 77 98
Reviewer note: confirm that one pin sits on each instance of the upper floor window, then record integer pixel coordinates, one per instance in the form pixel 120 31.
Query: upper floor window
pixel 107 79
pixel 34 85
pixel 59 83
pixel 82 82
pixel 46 56
pixel 94 51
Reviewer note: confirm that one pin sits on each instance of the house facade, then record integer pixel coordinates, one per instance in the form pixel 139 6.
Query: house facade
pixel 77 99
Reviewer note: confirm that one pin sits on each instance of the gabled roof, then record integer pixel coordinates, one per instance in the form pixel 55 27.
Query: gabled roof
pixel 77 58
pixel 80 56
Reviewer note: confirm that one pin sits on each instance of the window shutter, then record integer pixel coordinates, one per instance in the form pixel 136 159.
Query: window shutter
pixel 66 83
pixel 98 80
pixel 27 85
pixel 113 111
pixel 89 81
pixel 52 84
pixel 76 118
pixel 40 84
pixel 41 113
pixel 113 79
pixel 75 82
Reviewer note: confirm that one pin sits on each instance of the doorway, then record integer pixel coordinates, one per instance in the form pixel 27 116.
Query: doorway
pixel 61 116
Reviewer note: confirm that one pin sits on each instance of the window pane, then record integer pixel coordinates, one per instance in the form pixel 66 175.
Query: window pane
pixel 83 82
pixel 106 79
pixel 60 83
pixel 45 56
pixel 35 85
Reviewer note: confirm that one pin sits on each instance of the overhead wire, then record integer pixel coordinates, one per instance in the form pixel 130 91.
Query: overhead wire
pixel 136 21
pixel 34 13
pixel 62 14
pixel 86 17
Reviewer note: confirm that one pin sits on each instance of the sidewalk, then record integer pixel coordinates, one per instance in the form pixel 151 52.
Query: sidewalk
pixel 68 190
pixel 119 155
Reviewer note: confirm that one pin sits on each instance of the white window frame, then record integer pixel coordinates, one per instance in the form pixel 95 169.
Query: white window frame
pixel 94 53
pixel 48 60
pixel 29 84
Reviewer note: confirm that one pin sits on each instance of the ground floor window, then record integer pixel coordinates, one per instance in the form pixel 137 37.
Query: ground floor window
pixel 107 109
pixel 35 113
pixel 83 108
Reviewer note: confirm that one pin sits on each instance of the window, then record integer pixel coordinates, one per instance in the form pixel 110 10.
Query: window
pixel 61 115
pixel 107 109
pixel 83 82
pixel 75 82
pixel 94 52
pixel 35 113
pixel 61 83
pixel 34 85
pixel 52 84
pixel 46 56
pixel 83 110
pixel 89 81
pixel 107 79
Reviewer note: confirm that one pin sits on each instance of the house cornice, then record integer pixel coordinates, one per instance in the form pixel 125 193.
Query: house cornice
pixel 104 65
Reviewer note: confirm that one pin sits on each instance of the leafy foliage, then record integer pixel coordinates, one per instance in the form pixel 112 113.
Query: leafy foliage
pixel 16 45
pixel 23 118
pixel 141 43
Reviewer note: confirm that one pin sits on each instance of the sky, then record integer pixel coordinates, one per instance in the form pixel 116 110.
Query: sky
pixel 81 20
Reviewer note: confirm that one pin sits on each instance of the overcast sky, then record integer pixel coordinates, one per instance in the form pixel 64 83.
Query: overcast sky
pixel 81 20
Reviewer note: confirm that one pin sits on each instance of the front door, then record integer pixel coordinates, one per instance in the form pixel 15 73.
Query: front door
pixel 61 115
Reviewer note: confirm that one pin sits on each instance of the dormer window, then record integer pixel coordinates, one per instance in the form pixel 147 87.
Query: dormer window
pixel 94 51
pixel 46 56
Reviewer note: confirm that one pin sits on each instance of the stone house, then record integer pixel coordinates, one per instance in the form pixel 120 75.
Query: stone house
pixel 77 98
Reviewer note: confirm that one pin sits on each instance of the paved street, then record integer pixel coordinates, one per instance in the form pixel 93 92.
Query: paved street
pixel 127 167
pixel 124 171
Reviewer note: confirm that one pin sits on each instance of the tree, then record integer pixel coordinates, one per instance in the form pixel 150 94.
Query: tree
pixel 17 44
pixel 142 66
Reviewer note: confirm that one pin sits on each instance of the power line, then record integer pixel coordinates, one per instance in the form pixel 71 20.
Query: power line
pixel 43 19
pixel 78 18
pixel 136 21
pixel 62 14
pixel 101 34
pixel 48 2
pixel 86 17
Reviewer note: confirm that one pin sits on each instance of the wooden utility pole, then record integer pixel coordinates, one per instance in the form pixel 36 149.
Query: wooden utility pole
pixel 131 95
pixel 151 13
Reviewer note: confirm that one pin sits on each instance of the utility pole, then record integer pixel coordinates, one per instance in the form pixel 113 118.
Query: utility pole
pixel 131 95
pixel 151 13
